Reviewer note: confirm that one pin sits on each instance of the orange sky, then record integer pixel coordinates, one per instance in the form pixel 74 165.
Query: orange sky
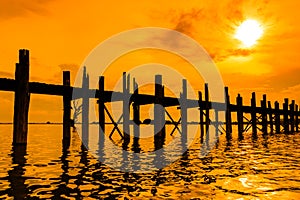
pixel 60 34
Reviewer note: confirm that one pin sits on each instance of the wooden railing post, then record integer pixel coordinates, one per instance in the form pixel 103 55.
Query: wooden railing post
pixel 126 112
pixel 297 118
pixel 286 115
pixel 200 102
pixel 239 103
pixel 264 115
pixel 159 110
pixel 207 107
pixel 183 106
pixel 136 111
pixel 85 106
pixel 228 115
pixel 22 98
pixel 101 105
pixel 67 106
pixel 270 112
pixel 292 116
pixel 277 117
pixel 253 113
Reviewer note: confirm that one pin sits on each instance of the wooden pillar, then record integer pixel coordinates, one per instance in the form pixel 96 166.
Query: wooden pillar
pixel 201 116
pixel 286 115
pixel 101 105
pixel 136 111
pixel 126 113
pixel 67 106
pixel 297 119
pixel 264 121
pixel 217 122
pixel 270 112
pixel 22 98
pixel 239 103
pixel 277 117
pixel 292 116
pixel 207 107
pixel 85 107
pixel 228 115
pixel 159 110
pixel 253 113
pixel 183 106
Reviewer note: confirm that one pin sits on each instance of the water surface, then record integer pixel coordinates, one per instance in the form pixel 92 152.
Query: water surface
pixel 263 168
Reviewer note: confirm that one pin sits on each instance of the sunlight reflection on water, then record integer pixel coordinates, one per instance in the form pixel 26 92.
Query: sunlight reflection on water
pixel 265 168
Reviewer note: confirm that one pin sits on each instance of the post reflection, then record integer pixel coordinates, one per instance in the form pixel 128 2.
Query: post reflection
pixel 18 188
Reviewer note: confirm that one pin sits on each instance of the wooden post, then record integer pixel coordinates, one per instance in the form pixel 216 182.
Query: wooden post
pixel 253 113
pixel 85 107
pixel 228 115
pixel 201 116
pixel 239 103
pixel 292 116
pixel 67 106
pixel 136 111
pixel 264 115
pixel 183 106
pixel 101 109
pixel 22 98
pixel 270 112
pixel 286 115
pixel 159 110
pixel 297 118
pixel 217 122
pixel 126 113
pixel 277 117
pixel 207 107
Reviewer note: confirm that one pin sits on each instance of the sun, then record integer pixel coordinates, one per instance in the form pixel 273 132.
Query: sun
pixel 249 32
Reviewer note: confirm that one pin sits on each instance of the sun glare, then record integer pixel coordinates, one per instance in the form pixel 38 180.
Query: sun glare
pixel 249 32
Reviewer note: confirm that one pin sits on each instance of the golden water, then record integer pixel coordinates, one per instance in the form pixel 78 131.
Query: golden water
pixel 262 168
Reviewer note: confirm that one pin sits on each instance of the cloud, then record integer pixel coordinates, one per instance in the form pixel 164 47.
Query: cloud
pixel 15 8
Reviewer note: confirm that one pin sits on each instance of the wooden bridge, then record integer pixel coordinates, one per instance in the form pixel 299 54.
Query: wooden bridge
pixel 265 118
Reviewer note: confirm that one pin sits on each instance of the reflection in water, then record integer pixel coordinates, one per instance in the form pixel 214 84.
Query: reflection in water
pixel 253 168
pixel 16 175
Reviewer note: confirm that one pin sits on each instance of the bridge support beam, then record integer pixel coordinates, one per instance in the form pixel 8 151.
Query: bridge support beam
pixel 67 106
pixel 264 121
pixel 286 115
pixel 253 114
pixel 22 98
pixel 277 117
pixel 228 115
pixel 159 111
pixel 239 102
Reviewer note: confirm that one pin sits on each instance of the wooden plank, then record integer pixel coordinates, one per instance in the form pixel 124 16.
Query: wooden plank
pixel 277 117
pixel 22 98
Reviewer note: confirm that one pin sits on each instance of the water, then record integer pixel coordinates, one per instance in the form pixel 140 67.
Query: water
pixel 262 168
